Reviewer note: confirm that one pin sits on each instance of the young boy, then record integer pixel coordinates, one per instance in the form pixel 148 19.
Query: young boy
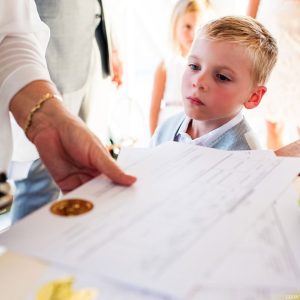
pixel 228 65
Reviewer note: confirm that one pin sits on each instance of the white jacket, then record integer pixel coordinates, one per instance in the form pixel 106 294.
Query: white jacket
pixel 23 41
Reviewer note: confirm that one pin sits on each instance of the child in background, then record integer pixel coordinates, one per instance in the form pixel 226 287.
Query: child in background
pixel 281 108
pixel 168 75
pixel 228 65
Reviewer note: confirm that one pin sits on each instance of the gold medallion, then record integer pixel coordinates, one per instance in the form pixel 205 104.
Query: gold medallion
pixel 71 207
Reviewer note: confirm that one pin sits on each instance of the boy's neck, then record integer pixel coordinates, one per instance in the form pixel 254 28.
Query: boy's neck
pixel 198 128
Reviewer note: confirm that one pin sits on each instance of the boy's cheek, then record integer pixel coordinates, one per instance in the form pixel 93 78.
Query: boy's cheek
pixel 185 88
pixel 187 82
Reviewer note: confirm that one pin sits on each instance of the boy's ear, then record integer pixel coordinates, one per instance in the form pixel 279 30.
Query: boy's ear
pixel 255 97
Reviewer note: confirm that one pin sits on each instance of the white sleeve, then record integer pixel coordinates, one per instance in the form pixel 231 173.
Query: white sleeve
pixel 23 42
pixel 22 61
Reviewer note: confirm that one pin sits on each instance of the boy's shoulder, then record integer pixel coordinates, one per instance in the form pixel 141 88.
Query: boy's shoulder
pixel 168 129
pixel 239 137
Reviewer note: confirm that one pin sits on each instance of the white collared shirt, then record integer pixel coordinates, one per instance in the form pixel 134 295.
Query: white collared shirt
pixel 23 41
pixel 206 139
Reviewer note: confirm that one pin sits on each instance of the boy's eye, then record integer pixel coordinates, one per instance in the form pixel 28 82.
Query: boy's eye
pixel 194 67
pixel 222 77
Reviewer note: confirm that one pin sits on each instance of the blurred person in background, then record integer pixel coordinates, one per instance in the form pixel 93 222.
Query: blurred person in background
pixel 166 94
pixel 281 106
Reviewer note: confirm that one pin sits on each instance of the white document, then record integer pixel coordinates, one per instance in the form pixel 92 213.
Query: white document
pixel 265 263
pixel 169 231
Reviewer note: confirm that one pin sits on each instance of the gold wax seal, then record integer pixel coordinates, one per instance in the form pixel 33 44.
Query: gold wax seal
pixel 71 207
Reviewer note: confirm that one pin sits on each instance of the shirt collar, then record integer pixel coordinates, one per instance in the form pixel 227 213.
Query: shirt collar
pixel 207 139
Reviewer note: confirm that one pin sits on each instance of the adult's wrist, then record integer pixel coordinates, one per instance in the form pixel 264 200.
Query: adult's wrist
pixel 49 120
pixel 44 116
pixel 23 101
pixel 25 106
pixel 36 108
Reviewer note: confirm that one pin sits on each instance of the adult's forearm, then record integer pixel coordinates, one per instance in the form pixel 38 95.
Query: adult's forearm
pixel 252 8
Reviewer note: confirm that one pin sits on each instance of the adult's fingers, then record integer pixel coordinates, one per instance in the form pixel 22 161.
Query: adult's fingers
pixel 292 149
pixel 106 165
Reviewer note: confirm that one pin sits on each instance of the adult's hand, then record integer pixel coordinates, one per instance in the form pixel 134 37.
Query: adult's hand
pixel 117 68
pixel 292 149
pixel 72 153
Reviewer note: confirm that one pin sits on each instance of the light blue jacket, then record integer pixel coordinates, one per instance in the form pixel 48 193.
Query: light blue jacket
pixel 233 139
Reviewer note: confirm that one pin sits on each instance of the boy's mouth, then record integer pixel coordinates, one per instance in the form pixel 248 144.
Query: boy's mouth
pixel 195 100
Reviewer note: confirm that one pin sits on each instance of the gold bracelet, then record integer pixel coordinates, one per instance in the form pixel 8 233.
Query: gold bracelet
pixel 36 108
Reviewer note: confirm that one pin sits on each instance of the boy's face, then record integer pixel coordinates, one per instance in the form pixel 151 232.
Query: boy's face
pixel 217 81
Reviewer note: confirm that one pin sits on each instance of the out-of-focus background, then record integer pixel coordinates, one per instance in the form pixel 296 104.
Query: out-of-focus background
pixel 140 29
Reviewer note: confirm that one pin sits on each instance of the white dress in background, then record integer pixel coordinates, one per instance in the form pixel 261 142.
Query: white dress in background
pixel 282 100
pixel 172 99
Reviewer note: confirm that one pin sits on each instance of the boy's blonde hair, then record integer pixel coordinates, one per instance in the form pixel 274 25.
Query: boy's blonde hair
pixel 181 8
pixel 245 31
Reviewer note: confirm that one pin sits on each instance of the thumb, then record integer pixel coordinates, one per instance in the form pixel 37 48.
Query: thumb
pixel 107 166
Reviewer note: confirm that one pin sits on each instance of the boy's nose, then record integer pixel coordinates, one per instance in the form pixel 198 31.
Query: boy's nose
pixel 200 82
